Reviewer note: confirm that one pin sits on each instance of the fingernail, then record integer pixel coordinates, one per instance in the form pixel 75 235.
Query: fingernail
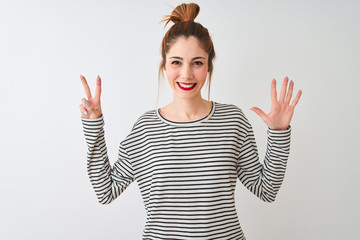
pixel 86 103
pixel 85 112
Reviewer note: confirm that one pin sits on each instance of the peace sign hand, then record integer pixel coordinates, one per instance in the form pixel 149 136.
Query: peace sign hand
pixel 90 107
pixel 281 111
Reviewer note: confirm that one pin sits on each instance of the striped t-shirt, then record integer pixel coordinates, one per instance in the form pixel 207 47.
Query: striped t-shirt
pixel 187 171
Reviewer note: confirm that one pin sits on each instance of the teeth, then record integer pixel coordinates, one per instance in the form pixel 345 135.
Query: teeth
pixel 186 86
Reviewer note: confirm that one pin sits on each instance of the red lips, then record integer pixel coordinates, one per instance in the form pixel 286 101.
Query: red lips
pixel 186 89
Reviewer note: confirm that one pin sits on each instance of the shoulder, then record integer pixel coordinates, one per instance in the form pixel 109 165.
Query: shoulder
pixel 231 117
pixel 146 122
pixel 233 113
pixel 228 109
pixel 147 118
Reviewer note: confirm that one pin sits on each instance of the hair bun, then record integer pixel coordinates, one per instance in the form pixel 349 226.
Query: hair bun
pixel 183 12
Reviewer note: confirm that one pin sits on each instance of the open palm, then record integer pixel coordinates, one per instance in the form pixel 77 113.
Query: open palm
pixel 91 107
pixel 281 111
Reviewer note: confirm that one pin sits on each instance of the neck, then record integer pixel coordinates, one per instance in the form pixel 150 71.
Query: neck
pixel 190 109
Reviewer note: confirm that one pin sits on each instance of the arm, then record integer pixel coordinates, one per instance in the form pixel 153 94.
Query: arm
pixel 264 180
pixel 108 182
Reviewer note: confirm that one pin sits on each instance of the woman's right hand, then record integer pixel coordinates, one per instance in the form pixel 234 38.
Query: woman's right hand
pixel 91 107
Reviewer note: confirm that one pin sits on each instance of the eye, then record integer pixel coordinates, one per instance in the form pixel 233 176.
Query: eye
pixel 175 62
pixel 198 63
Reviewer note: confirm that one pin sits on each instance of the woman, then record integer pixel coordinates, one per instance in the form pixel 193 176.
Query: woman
pixel 187 156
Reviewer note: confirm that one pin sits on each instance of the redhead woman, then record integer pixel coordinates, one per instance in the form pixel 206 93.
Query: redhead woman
pixel 187 156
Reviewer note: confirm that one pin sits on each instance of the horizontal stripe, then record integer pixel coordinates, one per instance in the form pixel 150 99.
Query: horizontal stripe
pixel 187 171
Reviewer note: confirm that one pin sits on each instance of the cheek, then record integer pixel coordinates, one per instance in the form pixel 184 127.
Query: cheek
pixel 202 73
pixel 171 72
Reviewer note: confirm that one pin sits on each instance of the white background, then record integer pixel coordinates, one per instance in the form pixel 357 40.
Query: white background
pixel 46 45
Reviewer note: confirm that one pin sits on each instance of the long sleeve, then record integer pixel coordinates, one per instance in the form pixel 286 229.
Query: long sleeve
pixel 108 182
pixel 264 180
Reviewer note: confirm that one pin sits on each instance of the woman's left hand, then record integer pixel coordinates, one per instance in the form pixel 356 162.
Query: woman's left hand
pixel 281 111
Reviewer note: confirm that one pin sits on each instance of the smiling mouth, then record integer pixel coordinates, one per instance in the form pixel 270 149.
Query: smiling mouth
pixel 186 86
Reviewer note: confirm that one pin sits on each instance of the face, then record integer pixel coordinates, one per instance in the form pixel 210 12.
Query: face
pixel 186 67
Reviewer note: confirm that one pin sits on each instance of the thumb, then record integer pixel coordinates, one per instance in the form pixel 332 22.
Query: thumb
pixel 260 112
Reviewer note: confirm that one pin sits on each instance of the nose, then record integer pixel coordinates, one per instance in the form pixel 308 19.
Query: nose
pixel 186 72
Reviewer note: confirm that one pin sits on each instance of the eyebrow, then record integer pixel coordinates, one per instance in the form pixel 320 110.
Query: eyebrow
pixel 183 59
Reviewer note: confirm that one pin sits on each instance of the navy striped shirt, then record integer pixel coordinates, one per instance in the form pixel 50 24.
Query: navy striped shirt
pixel 187 171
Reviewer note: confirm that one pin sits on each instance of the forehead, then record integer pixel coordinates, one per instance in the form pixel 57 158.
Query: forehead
pixel 187 48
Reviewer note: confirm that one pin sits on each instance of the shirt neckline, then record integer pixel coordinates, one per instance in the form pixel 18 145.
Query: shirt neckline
pixel 190 123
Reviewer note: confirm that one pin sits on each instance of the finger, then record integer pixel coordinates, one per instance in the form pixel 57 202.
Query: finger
pixel 283 89
pixel 290 92
pixel 273 91
pixel 297 98
pixel 85 104
pixel 84 112
pixel 98 87
pixel 86 86
pixel 259 112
